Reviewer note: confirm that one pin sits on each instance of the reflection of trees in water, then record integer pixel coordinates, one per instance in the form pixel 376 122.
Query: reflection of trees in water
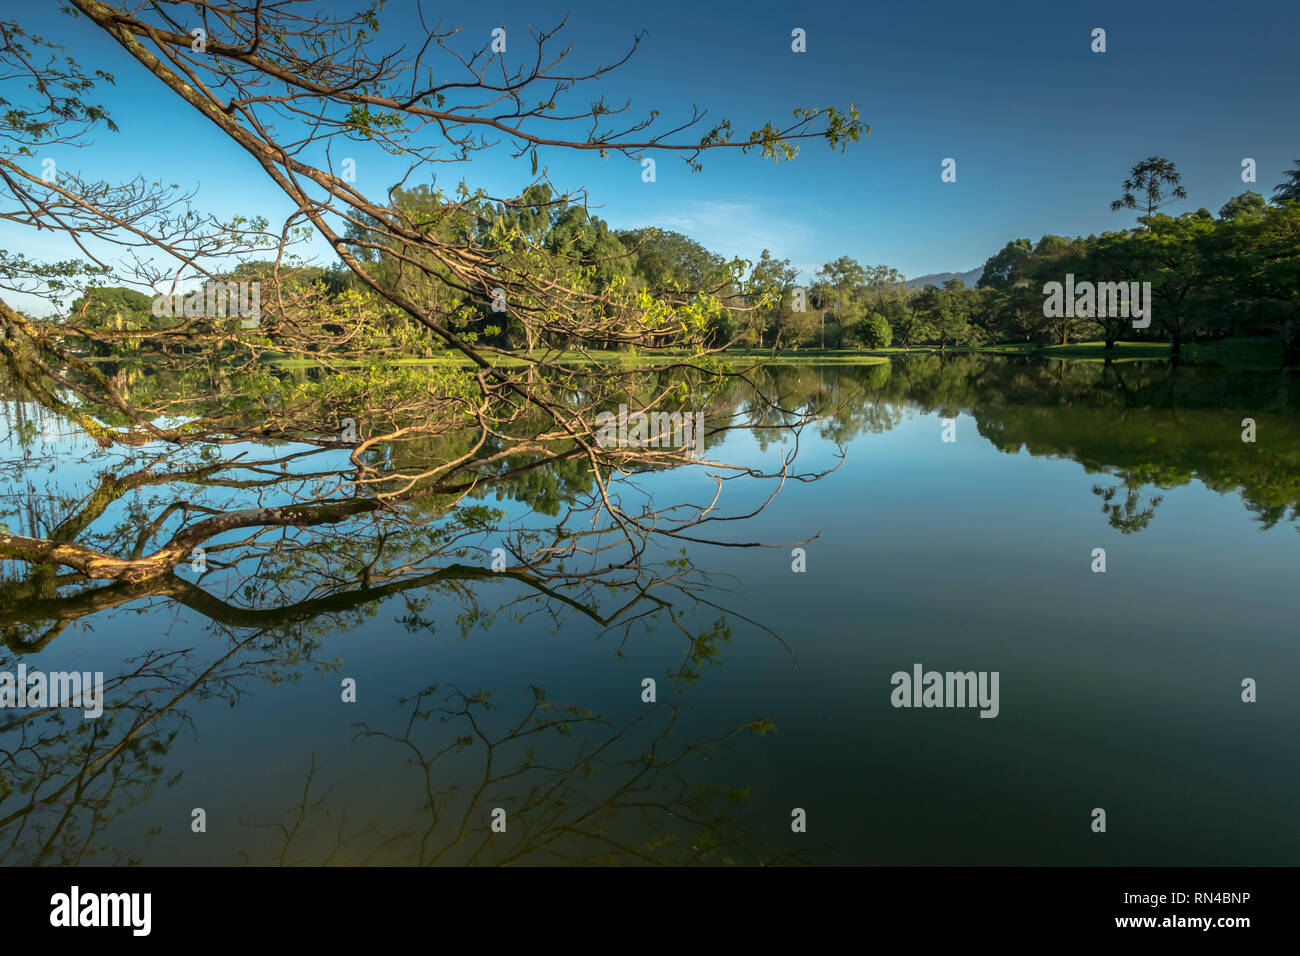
pixel 1126 516
pixel 272 534
pixel 292 581
pixel 421 486
pixel 290 592
pixel 1149 425
pixel 64 780
pixel 64 783
pixel 290 532
pixel 574 787
pixel 283 524
pixel 330 599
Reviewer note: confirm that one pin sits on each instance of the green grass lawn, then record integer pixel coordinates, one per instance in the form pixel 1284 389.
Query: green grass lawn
pixel 1236 353
pixel 634 359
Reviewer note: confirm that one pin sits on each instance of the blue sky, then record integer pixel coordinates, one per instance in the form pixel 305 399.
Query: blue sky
pixel 1043 130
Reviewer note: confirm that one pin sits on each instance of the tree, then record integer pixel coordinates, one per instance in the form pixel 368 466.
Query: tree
pixel 945 313
pixel 874 331
pixel 671 262
pixel 1249 203
pixel 955 306
pixel 846 280
pixel 295 90
pixel 772 318
pixel 911 327
pixel 1289 188
pixel 1157 180
pixel 1172 253
pixel 578 234
pixel 1267 264
pixel 1054 257
pixel 1108 258
pixel 1015 312
pixel 1004 267
pixel 112 302
pixel 843 291
pixel 886 284
pixel 116 308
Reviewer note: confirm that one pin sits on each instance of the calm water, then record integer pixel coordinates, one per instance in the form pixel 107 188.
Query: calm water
pixel 1119 690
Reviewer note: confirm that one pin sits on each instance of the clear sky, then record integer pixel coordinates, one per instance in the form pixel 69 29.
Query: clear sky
pixel 1043 130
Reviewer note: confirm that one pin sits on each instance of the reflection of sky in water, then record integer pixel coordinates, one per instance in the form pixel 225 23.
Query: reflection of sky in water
pixel 1119 690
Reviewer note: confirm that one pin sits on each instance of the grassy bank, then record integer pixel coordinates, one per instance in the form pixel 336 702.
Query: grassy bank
pixel 631 359
pixel 1234 353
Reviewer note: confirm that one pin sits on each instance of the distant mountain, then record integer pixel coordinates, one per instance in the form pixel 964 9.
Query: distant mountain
pixel 939 278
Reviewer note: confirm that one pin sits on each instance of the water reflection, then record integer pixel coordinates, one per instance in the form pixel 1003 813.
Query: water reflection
pixel 591 780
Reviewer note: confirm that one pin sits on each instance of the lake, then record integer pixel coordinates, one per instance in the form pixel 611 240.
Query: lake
pixel 465 719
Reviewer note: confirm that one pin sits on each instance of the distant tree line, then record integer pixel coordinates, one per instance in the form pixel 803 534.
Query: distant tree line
pixel 1212 276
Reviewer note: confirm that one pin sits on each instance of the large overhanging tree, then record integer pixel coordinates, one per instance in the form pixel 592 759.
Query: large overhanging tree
pixel 368 440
